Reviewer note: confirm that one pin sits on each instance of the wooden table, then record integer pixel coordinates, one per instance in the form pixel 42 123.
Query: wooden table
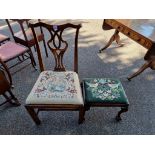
pixel 140 30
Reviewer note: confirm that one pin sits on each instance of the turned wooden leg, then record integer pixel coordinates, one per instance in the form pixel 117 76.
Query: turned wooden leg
pixel 152 64
pixel 115 37
pixel 123 109
pixel 33 114
pixel 145 66
pixel 81 115
pixel 109 43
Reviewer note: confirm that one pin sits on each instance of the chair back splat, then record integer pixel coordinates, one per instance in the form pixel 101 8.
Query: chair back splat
pixel 57 45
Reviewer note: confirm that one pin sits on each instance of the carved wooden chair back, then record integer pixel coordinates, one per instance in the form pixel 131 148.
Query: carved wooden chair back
pixel 57 44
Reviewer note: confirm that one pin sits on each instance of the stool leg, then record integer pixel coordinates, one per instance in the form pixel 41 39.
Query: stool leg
pixel 87 107
pixel 123 109
pixel 81 115
pixel 33 114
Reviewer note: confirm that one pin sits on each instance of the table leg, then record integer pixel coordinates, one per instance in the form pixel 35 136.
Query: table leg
pixel 142 68
pixel 115 37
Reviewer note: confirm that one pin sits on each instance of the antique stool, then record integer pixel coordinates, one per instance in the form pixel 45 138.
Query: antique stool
pixel 105 92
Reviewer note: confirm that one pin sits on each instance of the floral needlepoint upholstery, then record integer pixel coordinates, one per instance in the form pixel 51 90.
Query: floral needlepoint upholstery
pixel 56 88
pixel 104 90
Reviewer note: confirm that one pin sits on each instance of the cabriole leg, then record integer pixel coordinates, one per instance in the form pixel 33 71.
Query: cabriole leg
pixel 123 109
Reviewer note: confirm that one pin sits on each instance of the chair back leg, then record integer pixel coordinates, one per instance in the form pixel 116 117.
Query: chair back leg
pixel 32 58
pixel 16 102
pixel 45 48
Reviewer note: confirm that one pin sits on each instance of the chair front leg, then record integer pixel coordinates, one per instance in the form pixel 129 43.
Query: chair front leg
pixel 33 114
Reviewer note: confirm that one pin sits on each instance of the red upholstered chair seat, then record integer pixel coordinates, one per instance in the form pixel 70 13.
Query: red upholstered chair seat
pixel 3 38
pixel 11 50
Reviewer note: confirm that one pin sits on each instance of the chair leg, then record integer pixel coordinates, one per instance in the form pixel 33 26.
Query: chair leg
pixel 35 48
pixel 32 58
pixel 14 98
pixel 123 109
pixel 45 47
pixel 33 114
pixel 81 115
pixel 7 98
pixel 87 107
pixel 19 58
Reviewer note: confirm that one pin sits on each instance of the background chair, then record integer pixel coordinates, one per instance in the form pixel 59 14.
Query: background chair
pixel 24 36
pixel 58 89
pixel 11 50
pixel 5 86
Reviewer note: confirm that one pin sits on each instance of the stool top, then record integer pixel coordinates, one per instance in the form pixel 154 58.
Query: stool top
pixel 104 90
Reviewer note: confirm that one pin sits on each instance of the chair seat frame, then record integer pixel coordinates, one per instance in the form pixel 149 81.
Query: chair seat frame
pixel 34 110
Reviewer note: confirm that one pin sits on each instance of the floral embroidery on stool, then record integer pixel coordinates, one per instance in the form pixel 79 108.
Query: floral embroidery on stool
pixel 104 88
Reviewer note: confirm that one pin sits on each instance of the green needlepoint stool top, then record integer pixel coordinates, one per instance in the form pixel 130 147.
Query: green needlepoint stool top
pixel 106 92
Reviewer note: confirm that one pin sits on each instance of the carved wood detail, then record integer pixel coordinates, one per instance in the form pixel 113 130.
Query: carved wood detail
pixel 57 45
